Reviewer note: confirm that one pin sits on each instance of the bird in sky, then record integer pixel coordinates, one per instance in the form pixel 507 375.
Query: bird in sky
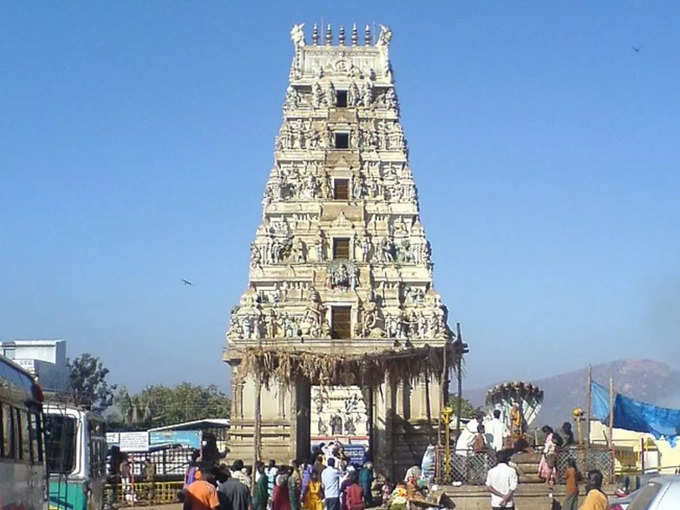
pixel 636 49
pixel 186 283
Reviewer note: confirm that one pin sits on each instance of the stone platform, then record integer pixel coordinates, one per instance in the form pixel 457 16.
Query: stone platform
pixel 529 496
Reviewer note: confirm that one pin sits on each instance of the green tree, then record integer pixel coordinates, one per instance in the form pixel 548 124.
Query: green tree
pixel 466 408
pixel 87 383
pixel 158 405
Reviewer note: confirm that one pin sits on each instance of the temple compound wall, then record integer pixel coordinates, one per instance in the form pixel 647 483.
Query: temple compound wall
pixel 340 264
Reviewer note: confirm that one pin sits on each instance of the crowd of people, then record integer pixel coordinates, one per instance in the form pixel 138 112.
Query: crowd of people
pixel 327 481
pixel 502 479
pixel 483 435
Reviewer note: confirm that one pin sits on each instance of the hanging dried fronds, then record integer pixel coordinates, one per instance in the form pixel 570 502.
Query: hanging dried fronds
pixel 319 368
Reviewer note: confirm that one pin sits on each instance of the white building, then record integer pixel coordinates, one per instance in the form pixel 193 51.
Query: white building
pixel 46 359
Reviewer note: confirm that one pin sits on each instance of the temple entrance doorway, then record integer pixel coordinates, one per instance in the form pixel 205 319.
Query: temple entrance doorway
pixel 342 415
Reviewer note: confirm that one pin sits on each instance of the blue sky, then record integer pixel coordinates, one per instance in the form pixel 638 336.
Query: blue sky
pixel 136 139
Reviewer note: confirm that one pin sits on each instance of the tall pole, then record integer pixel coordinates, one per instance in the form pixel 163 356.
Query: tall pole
pixel 611 428
pixel 428 409
pixel 459 374
pixel 589 405
pixel 444 381
pixel 257 436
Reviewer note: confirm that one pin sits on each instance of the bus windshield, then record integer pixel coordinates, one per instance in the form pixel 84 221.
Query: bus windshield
pixel 60 443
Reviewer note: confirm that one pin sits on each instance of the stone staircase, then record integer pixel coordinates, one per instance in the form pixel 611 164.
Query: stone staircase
pixel 527 466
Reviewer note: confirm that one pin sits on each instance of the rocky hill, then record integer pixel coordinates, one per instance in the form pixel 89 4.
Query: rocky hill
pixel 646 380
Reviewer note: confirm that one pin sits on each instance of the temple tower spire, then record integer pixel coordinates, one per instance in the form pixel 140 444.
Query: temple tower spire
pixel 340 261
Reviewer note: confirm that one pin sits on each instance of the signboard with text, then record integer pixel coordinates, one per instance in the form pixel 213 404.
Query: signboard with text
pixel 134 442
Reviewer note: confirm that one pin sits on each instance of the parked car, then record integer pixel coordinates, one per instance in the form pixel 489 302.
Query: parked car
pixel 621 502
pixel 661 493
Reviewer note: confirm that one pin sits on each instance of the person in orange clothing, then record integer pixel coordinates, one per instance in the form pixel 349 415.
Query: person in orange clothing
pixel 595 499
pixel 202 494
pixel 572 476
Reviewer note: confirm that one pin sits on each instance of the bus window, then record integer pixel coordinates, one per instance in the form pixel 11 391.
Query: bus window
pixel 19 448
pixel 60 443
pixel 27 440
pixel 6 432
pixel 10 431
pixel 36 440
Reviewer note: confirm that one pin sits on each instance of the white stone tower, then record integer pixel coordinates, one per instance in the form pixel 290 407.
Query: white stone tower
pixel 340 262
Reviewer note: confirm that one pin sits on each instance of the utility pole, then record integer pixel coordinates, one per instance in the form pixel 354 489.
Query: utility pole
pixel 460 348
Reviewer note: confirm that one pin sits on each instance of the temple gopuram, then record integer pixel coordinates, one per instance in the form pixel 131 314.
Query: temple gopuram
pixel 340 334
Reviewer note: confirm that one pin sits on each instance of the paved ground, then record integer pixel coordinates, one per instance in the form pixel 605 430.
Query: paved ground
pixel 173 506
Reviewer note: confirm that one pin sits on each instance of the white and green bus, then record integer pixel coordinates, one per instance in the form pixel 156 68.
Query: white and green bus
pixel 23 479
pixel 75 444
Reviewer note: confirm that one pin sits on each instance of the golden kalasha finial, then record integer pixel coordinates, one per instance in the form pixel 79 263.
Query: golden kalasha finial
pixel 355 35
pixel 315 35
pixel 329 35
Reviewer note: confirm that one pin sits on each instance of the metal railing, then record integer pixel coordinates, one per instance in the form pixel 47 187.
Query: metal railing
pixel 141 493
pixel 471 468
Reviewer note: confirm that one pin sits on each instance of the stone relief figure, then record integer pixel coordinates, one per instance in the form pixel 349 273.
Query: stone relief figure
pixel 394 326
pixel 338 277
pixel 313 317
pixel 289 326
pixel 354 278
pixel 404 253
pixel 372 319
pixel 366 248
pixel 415 295
pixel 387 251
pixel 292 98
pixel 367 94
pixel 277 294
pixel 312 187
pixel 255 256
pixel 353 94
pixel 234 325
pixel 297 35
pixel 330 96
pixel 383 39
pixel 427 252
pixel 317 95
pixel 343 275
pixel 298 251
pixel 247 327
pixel 321 249
pixel 314 140
pixel 391 99
pixel 358 187
pixel 271 324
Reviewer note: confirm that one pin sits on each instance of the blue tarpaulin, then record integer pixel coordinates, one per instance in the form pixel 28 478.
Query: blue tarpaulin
pixel 600 400
pixel 631 414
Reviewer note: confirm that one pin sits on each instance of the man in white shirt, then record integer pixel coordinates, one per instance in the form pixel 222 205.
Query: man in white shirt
pixel 501 481
pixel 497 429
pixel 330 481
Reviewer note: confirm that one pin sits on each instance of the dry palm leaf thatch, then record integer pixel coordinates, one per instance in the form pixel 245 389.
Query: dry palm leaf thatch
pixel 369 369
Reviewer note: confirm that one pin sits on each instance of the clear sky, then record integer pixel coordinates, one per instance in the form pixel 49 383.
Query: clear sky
pixel 136 139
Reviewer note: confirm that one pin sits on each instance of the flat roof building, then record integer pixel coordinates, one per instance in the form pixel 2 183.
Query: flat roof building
pixel 45 359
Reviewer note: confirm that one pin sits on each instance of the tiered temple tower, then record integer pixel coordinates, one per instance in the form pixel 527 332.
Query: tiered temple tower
pixel 340 262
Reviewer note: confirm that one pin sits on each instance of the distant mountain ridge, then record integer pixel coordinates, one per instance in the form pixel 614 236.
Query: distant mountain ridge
pixel 647 380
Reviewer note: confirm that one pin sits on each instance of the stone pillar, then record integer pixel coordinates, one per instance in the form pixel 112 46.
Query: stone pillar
pixel 383 428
